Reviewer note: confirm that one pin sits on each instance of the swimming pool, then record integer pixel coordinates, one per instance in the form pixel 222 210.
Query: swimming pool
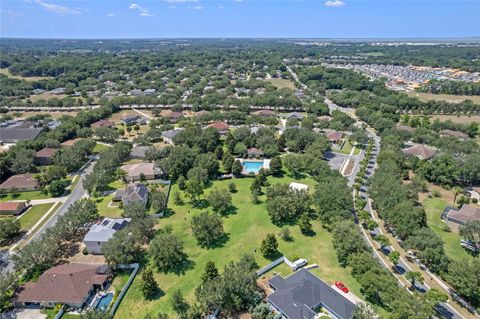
pixel 104 301
pixel 252 166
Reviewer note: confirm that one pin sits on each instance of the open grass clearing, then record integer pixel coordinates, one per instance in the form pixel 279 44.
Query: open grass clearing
pixel 54 115
pixel 282 83
pixel 246 228
pixel 99 148
pixel 6 72
pixel 444 97
pixel 457 119
pixel 347 149
pixel 24 196
pixel 434 208
pixel 33 215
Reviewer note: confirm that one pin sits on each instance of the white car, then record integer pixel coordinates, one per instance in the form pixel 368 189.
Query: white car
pixel 297 264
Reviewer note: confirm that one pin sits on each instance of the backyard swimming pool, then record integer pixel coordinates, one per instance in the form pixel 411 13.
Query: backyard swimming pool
pixel 252 166
pixel 104 301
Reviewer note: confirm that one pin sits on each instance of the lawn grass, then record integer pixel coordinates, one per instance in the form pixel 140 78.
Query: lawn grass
pixel 246 228
pixel 33 215
pixel 6 72
pixel 282 83
pixel 24 196
pixel 347 148
pixel 434 208
pixel 99 148
pixel 425 97
pixel 105 211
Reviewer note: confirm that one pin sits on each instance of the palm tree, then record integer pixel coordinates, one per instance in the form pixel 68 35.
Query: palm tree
pixel 456 191
pixel 121 174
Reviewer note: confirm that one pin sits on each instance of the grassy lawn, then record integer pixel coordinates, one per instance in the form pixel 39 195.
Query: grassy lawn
pixel 246 228
pixel 104 210
pixel 33 215
pixel 444 97
pixel 347 148
pixel 6 72
pixel 282 83
pixel 24 196
pixel 434 208
pixel 99 148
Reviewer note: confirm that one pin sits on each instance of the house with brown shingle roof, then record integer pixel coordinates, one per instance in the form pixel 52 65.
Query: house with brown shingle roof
pixel 334 136
pixel 135 172
pixel 12 208
pixel 420 151
pixel 174 117
pixel 101 123
pixel 221 127
pixel 69 143
pixel 254 153
pixel 45 156
pixel 452 133
pixel 21 183
pixel 458 217
pixel 68 284
pixel 265 113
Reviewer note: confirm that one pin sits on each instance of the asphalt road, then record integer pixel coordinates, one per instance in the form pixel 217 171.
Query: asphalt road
pixel 77 193
pixel 401 267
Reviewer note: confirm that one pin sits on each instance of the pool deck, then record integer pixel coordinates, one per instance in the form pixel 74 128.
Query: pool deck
pixel 265 161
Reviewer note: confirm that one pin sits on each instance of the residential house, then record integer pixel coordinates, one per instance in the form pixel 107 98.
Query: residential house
pixel 405 128
pixel 421 151
pixel 221 127
pixel 458 217
pixel 264 113
pixel 301 294
pixel 334 136
pixel 131 120
pixel 13 208
pixel 474 193
pixel 138 152
pixel 294 116
pixel 457 134
pixel 21 183
pixel 70 143
pixel 45 156
pixel 101 232
pixel 254 153
pixel 174 117
pixel 101 123
pixel 58 91
pixel 139 171
pixel 169 135
pixel 149 92
pixel 17 131
pixel 132 193
pixel 66 284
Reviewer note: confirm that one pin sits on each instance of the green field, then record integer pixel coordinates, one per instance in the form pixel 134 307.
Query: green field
pixel 282 83
pixel 24 196
pixel 99 148
pixel 444 97
pixel 434 208
pixel 246 228
pixel 347 148
pixel 33 215
pixel 6 72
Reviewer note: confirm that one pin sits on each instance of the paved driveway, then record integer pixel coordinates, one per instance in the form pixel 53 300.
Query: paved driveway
pixel 26 313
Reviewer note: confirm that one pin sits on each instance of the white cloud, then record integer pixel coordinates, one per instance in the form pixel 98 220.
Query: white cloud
pixel 110 15
pixel 58 9
pixel 220 7
pixel 142 11
pixel 335 3
pixel 197 8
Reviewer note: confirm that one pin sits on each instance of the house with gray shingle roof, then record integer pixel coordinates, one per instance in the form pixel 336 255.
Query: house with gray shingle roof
pixel 169 135
pixel 299 295
pixel 132 193
pixel 101 232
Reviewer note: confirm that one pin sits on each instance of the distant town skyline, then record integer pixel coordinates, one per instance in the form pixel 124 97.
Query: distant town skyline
pixel 347 19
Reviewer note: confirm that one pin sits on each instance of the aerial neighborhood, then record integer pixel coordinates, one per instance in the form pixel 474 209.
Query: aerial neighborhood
pixel 237 179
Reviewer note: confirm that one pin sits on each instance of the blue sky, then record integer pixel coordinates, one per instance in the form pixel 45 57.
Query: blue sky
pixel 239 18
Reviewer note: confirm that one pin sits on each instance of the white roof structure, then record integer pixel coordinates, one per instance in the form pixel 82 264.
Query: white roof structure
pixel 298 186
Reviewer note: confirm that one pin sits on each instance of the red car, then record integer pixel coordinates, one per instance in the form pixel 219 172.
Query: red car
pixel 340 285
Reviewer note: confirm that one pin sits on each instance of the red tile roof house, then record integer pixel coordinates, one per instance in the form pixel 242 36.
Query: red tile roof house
pixel 70 142
pixel 68 284
pixel 421 151
pixel 21 183
pixel 12 208
pixel 221 127
pixel 101 123
pixel 45 156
